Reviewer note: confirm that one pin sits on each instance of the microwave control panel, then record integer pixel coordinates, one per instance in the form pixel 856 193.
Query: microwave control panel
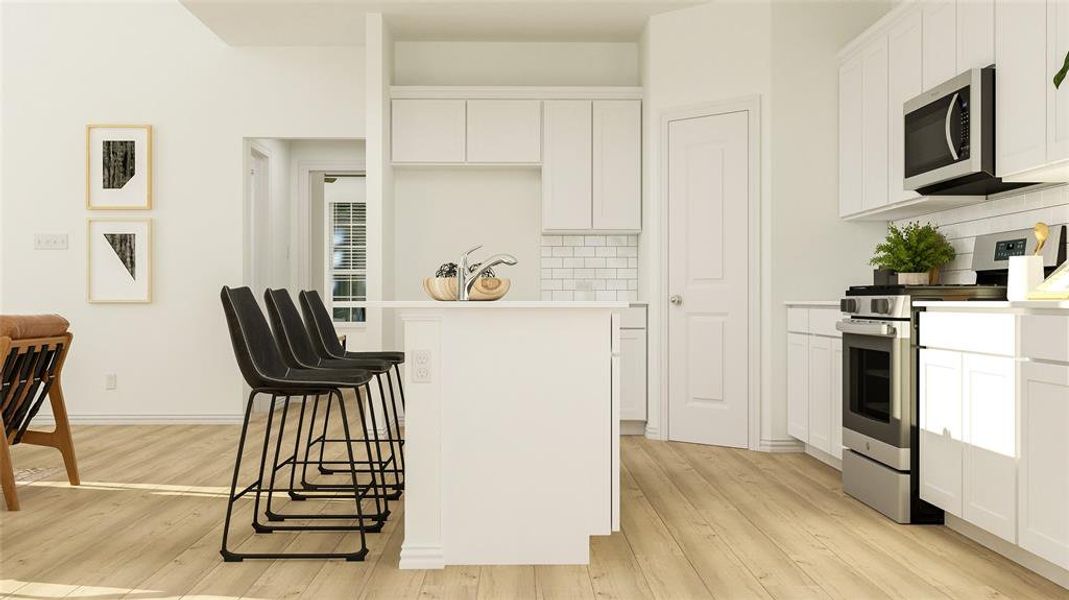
pixel 1004 249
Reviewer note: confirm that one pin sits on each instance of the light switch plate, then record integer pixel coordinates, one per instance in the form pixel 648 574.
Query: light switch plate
pixel 50 241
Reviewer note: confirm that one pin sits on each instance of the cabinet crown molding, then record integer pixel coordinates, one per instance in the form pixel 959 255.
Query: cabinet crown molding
pixel 516 92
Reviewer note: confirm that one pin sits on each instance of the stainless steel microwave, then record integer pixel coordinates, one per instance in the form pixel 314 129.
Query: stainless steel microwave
pixel 949 142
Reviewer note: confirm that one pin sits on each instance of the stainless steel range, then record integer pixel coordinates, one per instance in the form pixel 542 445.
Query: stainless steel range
pixel 880 334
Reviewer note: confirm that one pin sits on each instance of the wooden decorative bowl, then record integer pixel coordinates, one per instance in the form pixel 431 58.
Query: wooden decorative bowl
pixel 485 289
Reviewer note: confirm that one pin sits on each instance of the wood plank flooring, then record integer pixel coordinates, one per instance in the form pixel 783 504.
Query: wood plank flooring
pixel 698 522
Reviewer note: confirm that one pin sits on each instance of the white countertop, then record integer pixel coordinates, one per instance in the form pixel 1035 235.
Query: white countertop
pixel 995 305
pixel 551 304
pixel 834 303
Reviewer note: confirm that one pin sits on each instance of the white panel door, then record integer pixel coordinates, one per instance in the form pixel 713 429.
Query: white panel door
pixel 940 41
pixel 798 386
pixel 1020 85
pixel 837 397
pixel 904 61
pixel 428 131
pixel 1043 516
pixel 1057 103
pixel 976 34
pixel 874 124
pixel 990 434
pixel 617 171
pixel 820 385
pixel 708 273
pixel 633 374
pixel 850 137
pixel 566 165
pixel 504 131
pixel 940 429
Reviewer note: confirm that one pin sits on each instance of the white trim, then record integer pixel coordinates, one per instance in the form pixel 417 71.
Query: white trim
pixel 517 92
pixel 251 146
pixel 824 457
pixel 881 26
pixel 758 232
pixel 1017 554
pixel 421 557
pixel 223 419
pixel 791 445
pixel 302 214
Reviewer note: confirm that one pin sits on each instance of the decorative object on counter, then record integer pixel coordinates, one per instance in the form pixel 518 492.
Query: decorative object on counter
pixel 883 276
pixel 483 284
pixel 915 252
pixel 118 167
pixel 470 274
pixel 1042 232
pixel 441 288
pixel 1026 270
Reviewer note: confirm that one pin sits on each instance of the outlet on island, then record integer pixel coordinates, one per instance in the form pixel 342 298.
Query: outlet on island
pixel 421 366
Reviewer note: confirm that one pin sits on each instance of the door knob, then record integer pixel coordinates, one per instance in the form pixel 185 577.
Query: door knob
pixel 676 299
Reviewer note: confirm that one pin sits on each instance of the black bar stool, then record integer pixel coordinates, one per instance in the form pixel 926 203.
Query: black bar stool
pixel 265 372
pixel 297 351
pixel 325 342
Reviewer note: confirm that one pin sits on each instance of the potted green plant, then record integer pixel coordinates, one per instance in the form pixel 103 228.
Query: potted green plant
pixel 914 251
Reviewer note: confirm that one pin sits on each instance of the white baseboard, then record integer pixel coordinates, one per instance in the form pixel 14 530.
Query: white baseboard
pixel 654 433
pixel 824 457
pixel 790 445
pixel 632 427
pixel 421 557
pixel 144 420
pixel 1013 552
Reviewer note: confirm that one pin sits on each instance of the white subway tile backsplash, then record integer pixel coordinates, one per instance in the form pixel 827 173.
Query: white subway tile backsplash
pixel 590 267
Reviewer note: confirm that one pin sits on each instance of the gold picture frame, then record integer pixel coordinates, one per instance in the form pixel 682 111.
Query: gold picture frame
pixel 108 273
pixel 100 196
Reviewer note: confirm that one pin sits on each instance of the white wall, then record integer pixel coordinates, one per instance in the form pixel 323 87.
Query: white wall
pixel 69 64
pixel 515 63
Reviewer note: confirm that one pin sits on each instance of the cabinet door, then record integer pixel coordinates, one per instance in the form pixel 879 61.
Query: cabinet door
pixel 428 131
pixel 874 124
pixel 850 137
pixel 797 386
pixel 1020 85
pixel 903 83
pixel 990 436
pixel 566 165
pixel 837 398
pixel 1044 465
pixel 1057 103
pixel 940 429
pixel 940 41
pixel 504 131
pixel 617 169
pixel 819 385
pixel 976 34
pixel 633 374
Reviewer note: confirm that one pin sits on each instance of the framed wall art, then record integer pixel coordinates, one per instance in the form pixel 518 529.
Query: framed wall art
pixel 120 260
pixel 118 167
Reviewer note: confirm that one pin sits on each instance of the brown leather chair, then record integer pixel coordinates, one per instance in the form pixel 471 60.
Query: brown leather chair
pixel 32 351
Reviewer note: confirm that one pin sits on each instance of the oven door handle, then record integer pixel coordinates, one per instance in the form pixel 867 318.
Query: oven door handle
pixel 946 126
pixel 873 329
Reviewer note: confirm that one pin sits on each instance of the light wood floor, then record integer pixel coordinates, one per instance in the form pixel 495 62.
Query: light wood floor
pixel 698 522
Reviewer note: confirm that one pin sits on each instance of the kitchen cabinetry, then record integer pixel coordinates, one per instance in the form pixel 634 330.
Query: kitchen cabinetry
pixel 851 138
pixel 904 60
pixel 633 374
pixel 504 131
pixel 989 467
pixel 428 130
pixel 617 165
pixel 874 124
pixel 814 377
pixel 940 429
pixel 1044 464
pixel 1021 83
pixel 976 34
pixel 566 165
pixel 940 41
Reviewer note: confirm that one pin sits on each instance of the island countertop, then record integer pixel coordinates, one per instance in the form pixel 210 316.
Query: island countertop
pixel 528 304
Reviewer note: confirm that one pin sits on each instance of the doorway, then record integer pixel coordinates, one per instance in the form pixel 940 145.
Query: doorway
pixel 258 256
pixel 710 173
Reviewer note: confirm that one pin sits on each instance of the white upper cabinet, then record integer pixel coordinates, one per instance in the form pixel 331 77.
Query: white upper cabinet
pixel 904 60
pixel 617 168
pixel 940 41
pixel 976 34
pixel 1021 83
pixel 567 172
pixel 874 123
pixel 428 130
pixel 505 131
pixel 1057 99
pixel 850 137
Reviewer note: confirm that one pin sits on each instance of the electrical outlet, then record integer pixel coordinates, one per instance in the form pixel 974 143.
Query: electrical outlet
pixel 50 241
pixel 110 381
pixel 421 366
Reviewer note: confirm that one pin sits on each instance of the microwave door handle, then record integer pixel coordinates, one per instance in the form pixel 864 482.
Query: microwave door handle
pixel 946 127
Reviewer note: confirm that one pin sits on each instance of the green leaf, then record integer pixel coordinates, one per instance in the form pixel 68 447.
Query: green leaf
pixel 1060 75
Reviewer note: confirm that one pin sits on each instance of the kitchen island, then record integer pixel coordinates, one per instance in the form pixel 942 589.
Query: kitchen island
pixel 511 427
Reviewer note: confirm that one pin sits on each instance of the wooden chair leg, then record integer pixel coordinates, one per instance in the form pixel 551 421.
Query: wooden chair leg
pixel 7 472
pixel 63 438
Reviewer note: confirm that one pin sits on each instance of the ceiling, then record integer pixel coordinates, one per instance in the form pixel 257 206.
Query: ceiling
pixel 341 22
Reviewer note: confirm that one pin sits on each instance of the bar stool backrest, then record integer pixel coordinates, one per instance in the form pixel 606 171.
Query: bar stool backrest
pixel 292 337
pixel 254 347
pixel 28 369
pixel 320 326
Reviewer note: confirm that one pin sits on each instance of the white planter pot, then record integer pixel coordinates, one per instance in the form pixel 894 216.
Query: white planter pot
pixel 913 279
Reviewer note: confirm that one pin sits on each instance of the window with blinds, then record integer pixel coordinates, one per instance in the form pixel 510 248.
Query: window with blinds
pixel 348 254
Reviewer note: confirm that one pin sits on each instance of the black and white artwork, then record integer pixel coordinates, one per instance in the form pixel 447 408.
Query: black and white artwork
pixel 118 167
pixel 120 260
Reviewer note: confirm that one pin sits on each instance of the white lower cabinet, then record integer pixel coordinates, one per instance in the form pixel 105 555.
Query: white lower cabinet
pixel 940 429
pixel 814 379
pixel 1044 464
pixel 633 374
pixel 797 386
pixel 820 372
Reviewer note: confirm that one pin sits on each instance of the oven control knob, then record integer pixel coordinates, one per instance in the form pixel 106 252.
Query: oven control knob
pixel 881 306
pixel 848 305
